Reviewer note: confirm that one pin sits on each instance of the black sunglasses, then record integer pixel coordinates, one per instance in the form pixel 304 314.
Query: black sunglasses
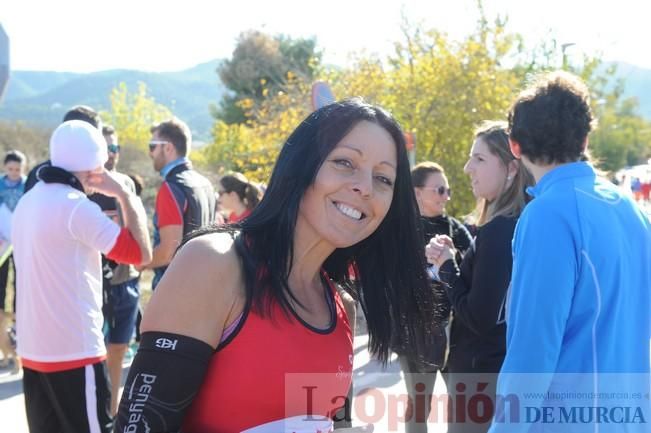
pixel 441 190
pixel 154 143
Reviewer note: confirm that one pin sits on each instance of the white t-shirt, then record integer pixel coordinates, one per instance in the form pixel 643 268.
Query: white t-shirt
pixel 58 235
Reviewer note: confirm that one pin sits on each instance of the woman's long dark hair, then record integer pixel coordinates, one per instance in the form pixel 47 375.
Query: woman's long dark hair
pixel 390 280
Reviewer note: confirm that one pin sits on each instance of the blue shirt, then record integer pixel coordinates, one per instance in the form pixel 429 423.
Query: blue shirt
pixel 579 305
pixel 11 191
pixel 170 165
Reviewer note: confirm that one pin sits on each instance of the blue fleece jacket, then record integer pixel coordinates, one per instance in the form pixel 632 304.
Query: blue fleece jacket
pixel 579 305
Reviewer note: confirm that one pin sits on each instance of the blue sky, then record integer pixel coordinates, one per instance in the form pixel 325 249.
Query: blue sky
pixel 165 35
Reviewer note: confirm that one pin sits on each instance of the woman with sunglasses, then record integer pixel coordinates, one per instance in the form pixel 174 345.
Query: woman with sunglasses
pixel 237 196
pixel 432 194
pixel 477 287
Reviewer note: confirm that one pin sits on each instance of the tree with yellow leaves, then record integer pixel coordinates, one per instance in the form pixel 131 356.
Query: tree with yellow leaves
pixel 252 148
pixel 439 88
pixel 133 114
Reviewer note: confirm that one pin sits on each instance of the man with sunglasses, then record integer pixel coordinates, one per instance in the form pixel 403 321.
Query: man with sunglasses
pixel 185 200
pixel 120 281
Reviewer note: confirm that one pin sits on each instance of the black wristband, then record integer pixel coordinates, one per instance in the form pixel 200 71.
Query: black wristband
pixel 163 380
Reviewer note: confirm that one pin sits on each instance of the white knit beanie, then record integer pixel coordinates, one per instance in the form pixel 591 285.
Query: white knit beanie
pixel 77 146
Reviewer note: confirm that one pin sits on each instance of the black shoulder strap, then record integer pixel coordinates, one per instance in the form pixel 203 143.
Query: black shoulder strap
pixel 51 174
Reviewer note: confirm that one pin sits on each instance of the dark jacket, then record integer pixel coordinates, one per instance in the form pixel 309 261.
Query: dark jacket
pixel 195 197
pixel 477 292
pixel 196 192
pixel 446 225
pixel 427 352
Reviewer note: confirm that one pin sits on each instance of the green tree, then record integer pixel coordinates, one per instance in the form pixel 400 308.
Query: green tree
pixel 132 114
pixel 262 65
pixel 622 137
pixel 440 89
pixel 252 148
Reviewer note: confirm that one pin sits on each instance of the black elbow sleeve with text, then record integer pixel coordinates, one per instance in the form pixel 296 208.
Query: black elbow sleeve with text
pixel 164 378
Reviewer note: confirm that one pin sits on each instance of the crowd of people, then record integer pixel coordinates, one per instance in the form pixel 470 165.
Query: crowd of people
pixel 636 181
pixel 253 284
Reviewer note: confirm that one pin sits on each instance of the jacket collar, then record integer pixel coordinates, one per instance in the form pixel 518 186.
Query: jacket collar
pixel 565 171
pixel 173 164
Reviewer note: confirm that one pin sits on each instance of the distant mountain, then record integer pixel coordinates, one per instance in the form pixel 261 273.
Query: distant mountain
pixel 637 84
pixel 43 97
pixel 26 84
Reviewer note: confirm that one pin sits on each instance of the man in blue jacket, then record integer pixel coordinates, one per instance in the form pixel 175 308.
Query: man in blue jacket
pixel 579 305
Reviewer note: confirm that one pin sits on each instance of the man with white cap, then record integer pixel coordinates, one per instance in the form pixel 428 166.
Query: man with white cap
pixel 58 235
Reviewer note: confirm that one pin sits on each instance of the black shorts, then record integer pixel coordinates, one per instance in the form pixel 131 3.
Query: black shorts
pixel 71 401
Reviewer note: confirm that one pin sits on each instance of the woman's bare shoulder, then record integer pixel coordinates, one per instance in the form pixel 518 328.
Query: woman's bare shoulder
pixel 219 246
pixel 200 291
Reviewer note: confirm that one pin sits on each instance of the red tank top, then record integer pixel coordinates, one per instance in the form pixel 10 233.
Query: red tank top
pixel 274 368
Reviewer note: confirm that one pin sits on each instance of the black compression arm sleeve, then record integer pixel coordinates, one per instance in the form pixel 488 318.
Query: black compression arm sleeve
pixel 163 380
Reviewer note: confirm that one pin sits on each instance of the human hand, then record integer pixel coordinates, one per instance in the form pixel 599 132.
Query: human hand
pixel 439 250
pixel 446 240
pixel 105 183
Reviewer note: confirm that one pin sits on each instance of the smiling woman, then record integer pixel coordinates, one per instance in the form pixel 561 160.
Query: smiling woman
pixel 353 189
pixel 268 290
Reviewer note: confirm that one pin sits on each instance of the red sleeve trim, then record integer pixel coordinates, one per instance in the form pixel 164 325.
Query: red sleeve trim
pixel 126 249
pixel 168 210
pixel 53 367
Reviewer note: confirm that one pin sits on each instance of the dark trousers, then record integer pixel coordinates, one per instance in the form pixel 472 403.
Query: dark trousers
pixel 420 387
pixel 71 401
pixel 469 418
